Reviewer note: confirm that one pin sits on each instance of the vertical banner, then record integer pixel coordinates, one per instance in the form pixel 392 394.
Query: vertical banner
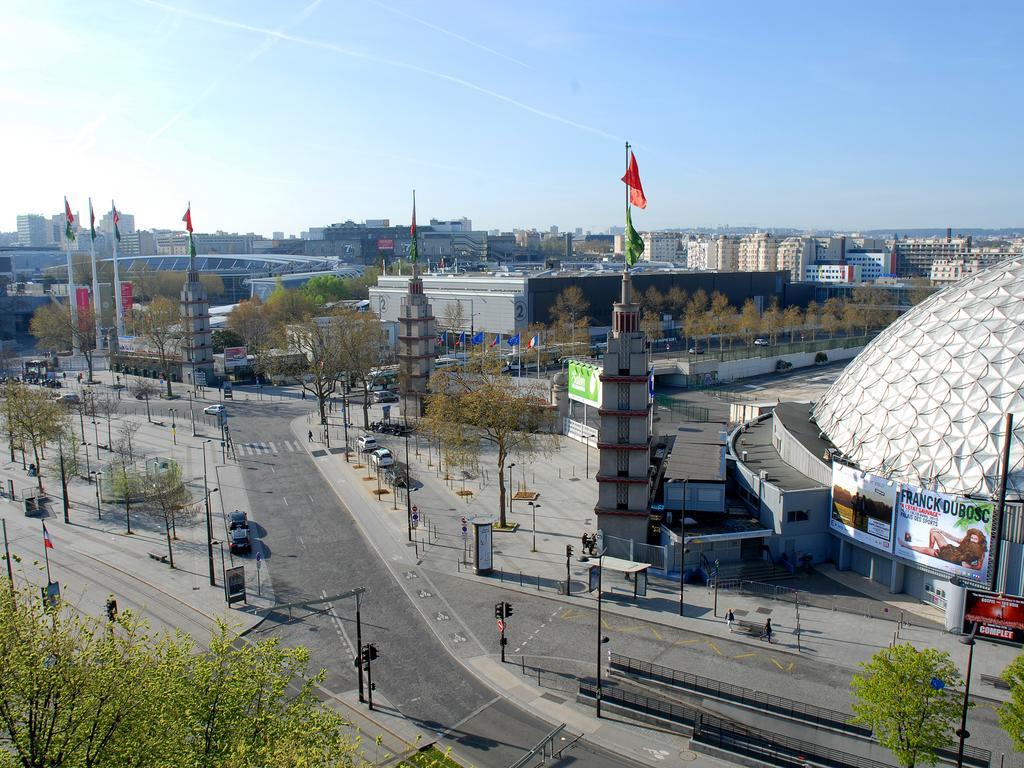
pixel 82 305
pixel 952 534
pixel 863 506
pixel 126 297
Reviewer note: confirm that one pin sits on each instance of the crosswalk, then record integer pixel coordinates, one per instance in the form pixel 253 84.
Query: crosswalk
pixel 269 449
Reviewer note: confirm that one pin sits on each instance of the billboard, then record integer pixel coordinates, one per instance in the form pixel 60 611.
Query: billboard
pixel 998 617
pixel 862 506
pixel 127 301
pixel 584 383
pixel 950 533
pixel 385 244
pixel 235 357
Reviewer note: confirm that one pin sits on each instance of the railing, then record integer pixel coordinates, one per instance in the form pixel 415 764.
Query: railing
pixel 808 713
pixel 646 705
pixel 859 606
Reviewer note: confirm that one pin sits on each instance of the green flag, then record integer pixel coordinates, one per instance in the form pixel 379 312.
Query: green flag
pixel 634 245
pixel 191 246
pixel 413 247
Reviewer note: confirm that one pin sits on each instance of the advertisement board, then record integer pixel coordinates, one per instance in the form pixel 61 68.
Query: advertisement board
pixel 482 556
pixel 999 617
pixel 235 357
pixel 584 383
pixel 950 533
pixel 385 244
pixel 127 301
pixel 234 584
pixel 863 506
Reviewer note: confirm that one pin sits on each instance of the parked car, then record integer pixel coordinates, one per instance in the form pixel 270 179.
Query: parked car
pixel 761 342
pixel 215 410
pixel 68 398
pixel 240 542
pixel 367 443
pixel 227 390
pixel 382 458
pixel 387 396
pixel 238 519
pixel 696 350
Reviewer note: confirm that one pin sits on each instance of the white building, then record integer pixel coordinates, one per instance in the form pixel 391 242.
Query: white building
pixel 660 246
pixel 701 255
pixel 758 253
pixel 794 254
pixel 727 253
pixel 833 273
pixel 34 230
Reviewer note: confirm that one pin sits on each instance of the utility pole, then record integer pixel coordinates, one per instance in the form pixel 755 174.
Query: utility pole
pixel 209 521
pixel 63 482
pixel 408 483
pixel 359 644
pixel 568 575
pixel 369 653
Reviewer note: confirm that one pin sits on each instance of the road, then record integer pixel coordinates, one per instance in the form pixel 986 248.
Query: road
pixel 314 548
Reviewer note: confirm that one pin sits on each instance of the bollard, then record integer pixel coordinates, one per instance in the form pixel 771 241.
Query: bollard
pixel 538 583
pixel 523 660
pixel 520 578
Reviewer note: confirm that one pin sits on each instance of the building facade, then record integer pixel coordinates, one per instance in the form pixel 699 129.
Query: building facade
pixel 660 246
pixel 758 253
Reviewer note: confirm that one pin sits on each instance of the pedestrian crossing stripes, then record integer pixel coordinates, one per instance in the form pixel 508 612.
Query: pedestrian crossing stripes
pixel 269 449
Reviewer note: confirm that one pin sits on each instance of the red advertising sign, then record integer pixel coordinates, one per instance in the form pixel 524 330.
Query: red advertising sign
pixel 126 297
pixel 82 305
pixel 235 357
pixel 385 244
pixel 999 617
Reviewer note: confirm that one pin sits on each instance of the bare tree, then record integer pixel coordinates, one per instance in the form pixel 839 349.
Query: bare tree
pixel 123 478
pixel 144 389
pixel 159 326
pixel 360 340
pixel 319 364
pixel 55 327
pixel 252 322
pixel 167 501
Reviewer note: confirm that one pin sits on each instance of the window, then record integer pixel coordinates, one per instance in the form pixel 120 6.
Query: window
pixel 622 463
pixel 623 396
pixel 622 429
pixel 622 496
pixel 797 516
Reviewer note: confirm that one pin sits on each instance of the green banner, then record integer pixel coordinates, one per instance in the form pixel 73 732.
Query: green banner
pixel 585 383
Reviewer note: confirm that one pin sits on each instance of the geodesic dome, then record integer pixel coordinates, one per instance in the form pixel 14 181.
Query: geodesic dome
pixel 925 401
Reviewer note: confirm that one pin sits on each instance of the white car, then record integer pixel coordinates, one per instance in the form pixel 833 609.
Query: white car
pixel 760 342
pixel 382 458
pixel 215 410
pixel 367 443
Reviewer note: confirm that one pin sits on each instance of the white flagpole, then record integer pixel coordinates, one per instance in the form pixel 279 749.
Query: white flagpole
pixel 96 305
pixel 72 299
pixel 119 307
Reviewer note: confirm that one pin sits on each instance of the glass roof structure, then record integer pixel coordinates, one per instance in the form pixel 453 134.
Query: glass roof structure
pixel 925 401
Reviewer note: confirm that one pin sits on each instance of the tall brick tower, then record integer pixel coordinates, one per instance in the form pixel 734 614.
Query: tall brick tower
pixel 197 349
pixel 416 336
pixel 624 435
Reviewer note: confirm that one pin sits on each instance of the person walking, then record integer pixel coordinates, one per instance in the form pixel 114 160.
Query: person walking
pixel 767 634
pixel 310 437
pixel 730 617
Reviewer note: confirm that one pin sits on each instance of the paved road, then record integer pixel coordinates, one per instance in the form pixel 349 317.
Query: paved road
pixel 314 548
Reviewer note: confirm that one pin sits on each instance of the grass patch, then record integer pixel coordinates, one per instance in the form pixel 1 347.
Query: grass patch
pixel 430 758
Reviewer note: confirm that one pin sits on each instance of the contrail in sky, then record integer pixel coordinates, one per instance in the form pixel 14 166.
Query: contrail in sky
pixel 309 42
pixel 448 32
pixel 254 54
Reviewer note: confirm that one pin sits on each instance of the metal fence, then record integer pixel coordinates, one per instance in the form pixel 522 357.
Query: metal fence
pixel 808 713
pixel 859 606
pixel 653 554
pixel 682 411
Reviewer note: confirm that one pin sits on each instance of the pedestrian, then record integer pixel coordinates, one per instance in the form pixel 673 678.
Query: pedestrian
pixel 730 617
pixel 310 438
pixel 767 634
pixel 64 375
pixel 303 394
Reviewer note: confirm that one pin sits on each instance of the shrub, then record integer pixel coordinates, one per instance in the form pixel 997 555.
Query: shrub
pixel 821 357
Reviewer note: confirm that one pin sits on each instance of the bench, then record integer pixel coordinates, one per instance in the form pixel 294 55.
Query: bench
pixel 995 681
pixel 158 557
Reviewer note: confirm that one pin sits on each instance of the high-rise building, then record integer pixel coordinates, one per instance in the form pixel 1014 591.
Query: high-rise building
pixel 660 246
pixel 624 435
pixel 794 254
pixel 125 224
pixel 34 230
pixel 727 253
pixel 758 253
pixel 701 255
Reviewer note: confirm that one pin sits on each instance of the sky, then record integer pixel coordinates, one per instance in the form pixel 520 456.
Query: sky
pixel 286 115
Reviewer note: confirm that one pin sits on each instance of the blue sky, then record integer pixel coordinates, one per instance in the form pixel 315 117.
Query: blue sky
pixel 280 116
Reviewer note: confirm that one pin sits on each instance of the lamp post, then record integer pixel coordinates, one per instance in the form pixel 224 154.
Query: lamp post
pixel 99 477
pixel 682 553
pixel 601 640
pixel 174 426
pixel 191 413
pixel 63 481
pixel 344 421
pixel 209 523
pixel 408 484
pixel 510 466
pixel 533 508
pixel 963 733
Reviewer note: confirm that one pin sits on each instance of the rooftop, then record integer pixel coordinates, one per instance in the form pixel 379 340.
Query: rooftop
pixel 756 441
pixel 697 453
pixel 797 419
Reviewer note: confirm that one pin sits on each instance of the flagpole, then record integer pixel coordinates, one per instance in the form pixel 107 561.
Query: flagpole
pixel 46 554
pixel 96 306
pixel 119 306
pixel 625 257
pixel 75 346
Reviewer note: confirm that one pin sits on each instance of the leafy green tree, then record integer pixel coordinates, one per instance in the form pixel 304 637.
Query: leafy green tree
pixel 224 337
pixel 323 289
pixel 166 500
pixel 1011 713
pixel 286 305
pixel 897 696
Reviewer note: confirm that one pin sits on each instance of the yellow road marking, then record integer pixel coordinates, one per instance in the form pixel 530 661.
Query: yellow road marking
pixel 746 655
pixel 571 613
pixel 778 665
pixel 714 647
pixel 685 642
pixel 790 667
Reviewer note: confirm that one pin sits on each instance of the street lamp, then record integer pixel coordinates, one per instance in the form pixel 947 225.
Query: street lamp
pixel 510 466
pixel 191 413
pixel 408 480
pixel 533 508
pixel 682 547
pixel 209 523
pixel 963 733
pixel 174 426
pixel 601 640
pixel 99 476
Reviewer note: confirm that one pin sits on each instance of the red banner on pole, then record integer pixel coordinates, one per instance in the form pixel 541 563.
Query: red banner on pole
pixel 83 306
pixel 126 297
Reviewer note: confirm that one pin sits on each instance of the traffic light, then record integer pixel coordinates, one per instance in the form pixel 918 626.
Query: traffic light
pixel 111 609
pixel 369 653
pixel 508 610
pixel 499 610
pixel 568 550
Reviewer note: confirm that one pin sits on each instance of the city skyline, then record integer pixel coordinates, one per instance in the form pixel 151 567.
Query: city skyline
pixel 285 119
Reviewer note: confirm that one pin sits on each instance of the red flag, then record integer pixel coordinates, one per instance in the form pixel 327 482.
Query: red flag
pixel 187 218
pixel 47 544
pixel 67 212
pixel 632 180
